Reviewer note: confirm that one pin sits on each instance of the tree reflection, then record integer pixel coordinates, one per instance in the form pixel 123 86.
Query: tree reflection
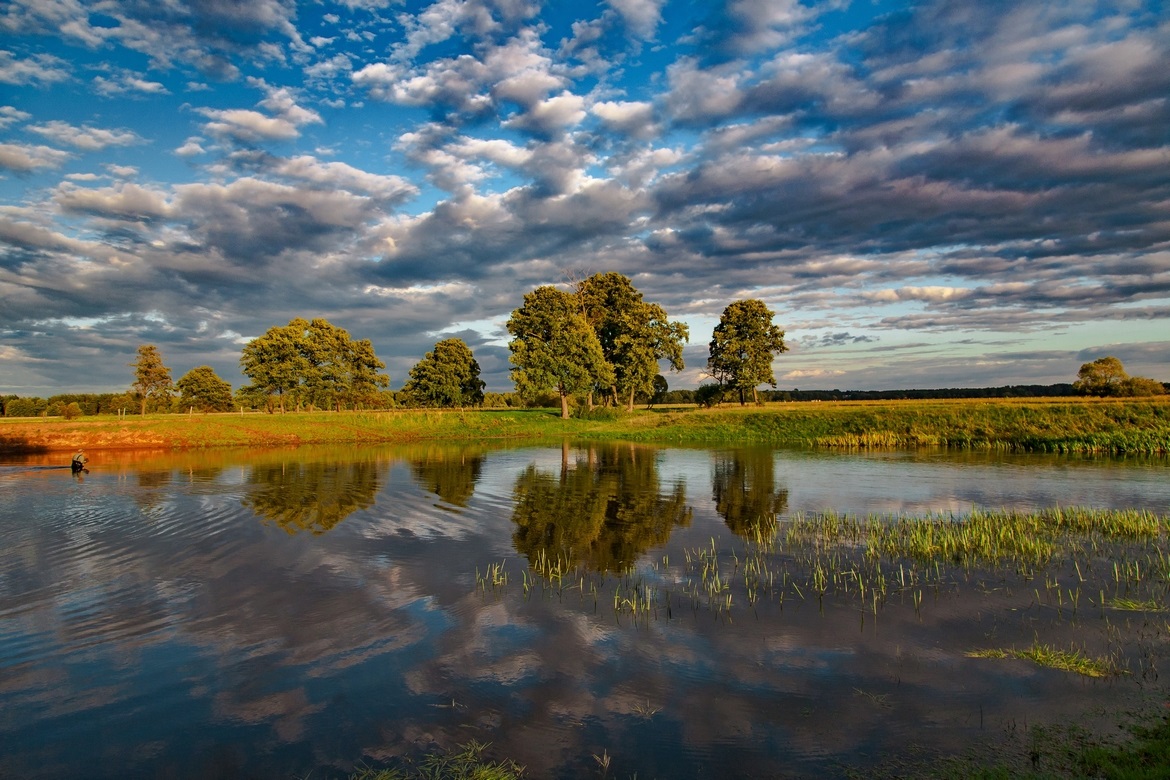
pixel 451 475
pixel 314 496
pixel 601 512
pixel 744 489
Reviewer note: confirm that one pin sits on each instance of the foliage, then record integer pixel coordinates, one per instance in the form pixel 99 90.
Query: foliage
pixel 742 347
pixel 312 363
pixel 708 395
pixel 152 380
pixel 554 348
pixel 1106 377
pixel 447 376
pixel 203 389
pixel 634 335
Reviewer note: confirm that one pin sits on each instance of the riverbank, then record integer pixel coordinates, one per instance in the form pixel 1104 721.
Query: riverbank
pixel 1074 425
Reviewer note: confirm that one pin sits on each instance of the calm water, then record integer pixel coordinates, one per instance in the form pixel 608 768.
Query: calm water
pixel 281 613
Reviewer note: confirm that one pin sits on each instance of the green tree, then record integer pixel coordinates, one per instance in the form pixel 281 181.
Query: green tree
pixel 447 376
pixel 554 348
pixel 152 380
pixel 276 362
pixel 312 362
pixel 742 347
pixel 340 370
pixel 634 335
pixel 202 388
pixel 1104 376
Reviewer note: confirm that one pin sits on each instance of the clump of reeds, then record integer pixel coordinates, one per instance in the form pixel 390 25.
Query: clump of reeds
pixel 1071 660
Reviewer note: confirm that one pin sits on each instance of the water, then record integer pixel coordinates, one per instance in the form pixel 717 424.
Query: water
pixel 287 612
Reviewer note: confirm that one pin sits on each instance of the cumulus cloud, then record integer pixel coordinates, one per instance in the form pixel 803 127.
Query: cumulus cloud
pixel 87 138
pixel 24 157
pixel 40 70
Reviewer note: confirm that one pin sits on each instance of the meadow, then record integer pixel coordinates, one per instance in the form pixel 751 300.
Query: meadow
pixel 1059 425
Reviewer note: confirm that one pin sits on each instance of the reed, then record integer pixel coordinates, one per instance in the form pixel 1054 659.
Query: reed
pixel 1073 659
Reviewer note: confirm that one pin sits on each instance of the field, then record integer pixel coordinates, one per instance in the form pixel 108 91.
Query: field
pixel 1121 426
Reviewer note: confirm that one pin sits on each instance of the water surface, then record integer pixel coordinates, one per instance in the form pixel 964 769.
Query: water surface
pixel 287 612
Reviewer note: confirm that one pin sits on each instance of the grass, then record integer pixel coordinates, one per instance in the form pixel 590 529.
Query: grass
pixel 1072 660
pixel 467 763
pixel 1140 426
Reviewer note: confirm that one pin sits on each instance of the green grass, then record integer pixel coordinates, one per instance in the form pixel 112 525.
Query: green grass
pixel 1140 426
pixel 1071 660
pixel 467 763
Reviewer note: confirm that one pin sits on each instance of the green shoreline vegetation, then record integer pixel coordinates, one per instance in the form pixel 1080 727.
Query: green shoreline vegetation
pixel 1058 425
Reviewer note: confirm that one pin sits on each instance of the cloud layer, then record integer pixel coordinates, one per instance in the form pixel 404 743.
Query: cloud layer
pixel 932 195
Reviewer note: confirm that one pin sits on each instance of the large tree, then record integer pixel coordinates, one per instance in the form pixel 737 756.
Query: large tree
pixel 312 362
pixel 634 335
pixel 1106 376
pixel 447 376
pixel 202 388
pixel 554 348
pixel 152 380
pixel 742 347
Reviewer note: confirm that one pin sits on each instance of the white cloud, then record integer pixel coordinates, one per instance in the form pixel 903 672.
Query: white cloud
pixel 23 158
pixel 41 70
pixel 90 139
pixel 641 17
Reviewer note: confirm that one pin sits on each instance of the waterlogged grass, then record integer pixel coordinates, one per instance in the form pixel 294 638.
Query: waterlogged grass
pixel 466 763
pixel 1074 659
pixel 1070 558
pixel 1053 425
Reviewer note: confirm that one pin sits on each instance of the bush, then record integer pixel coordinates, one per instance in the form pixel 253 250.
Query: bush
pixel 709 395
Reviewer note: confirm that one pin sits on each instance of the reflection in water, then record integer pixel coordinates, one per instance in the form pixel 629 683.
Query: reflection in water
pixel 312 496
pixel 601 512
pixel 744 489
pixel 449 474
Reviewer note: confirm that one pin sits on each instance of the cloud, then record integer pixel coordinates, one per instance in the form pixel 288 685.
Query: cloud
pixel 127 83
pixel 641 17
pixel 41 70
pixel 23 157
pixel 87 138
pixel 10 116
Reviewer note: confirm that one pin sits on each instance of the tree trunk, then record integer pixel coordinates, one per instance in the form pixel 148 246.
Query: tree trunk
pixel 630 402
pixel 564 405
pixel 143 406
pixel 755 397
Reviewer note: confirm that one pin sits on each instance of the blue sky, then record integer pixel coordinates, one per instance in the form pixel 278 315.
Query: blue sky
pixel 928 195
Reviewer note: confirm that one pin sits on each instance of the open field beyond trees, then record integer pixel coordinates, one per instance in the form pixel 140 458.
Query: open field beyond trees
pixel 1131 426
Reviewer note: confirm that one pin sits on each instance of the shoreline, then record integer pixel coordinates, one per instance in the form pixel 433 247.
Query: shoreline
pixel 1071 425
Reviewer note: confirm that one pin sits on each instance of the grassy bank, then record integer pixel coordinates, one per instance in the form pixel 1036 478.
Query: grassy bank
pixel 1044 425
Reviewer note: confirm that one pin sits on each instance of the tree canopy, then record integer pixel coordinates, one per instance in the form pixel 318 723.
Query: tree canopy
pixel 634 335
pixel 742 347
pixel 1106 376
pixel 312 363
pixel 152 379
pixel 447 376
pixel 202 389
pixel 554 348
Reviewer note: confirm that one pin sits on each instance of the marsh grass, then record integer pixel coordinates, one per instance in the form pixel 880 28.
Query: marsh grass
pixel 1032 425
pixel 1071 660
pixel 466 763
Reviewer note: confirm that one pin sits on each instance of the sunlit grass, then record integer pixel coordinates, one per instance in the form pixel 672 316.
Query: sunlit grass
pixel 1044 425
pixel 1071 660
pixel 467 763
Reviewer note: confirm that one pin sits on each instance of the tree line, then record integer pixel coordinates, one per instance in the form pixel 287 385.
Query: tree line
pixel 598 343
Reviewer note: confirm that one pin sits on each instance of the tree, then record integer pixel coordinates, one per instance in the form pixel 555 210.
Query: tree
pixel 202 388
pixel 742 347
pixel 276 362
pixel 554 348
pixel 447 376
pixel 152 380
pixel 312 362
pixel 634 335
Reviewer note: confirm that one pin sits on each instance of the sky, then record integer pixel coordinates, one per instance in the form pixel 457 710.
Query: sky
pixel 938 194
